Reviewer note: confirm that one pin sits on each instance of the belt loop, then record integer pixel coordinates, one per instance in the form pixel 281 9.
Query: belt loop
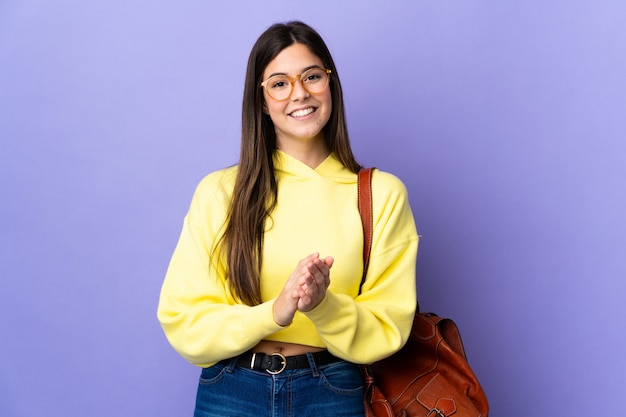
pixel 313 365
pixel 231 364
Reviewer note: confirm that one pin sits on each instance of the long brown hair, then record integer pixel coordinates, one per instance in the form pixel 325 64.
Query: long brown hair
pixel 255 191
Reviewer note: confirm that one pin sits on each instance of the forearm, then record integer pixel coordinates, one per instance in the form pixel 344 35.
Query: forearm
pixel 207 333
pixel 362 332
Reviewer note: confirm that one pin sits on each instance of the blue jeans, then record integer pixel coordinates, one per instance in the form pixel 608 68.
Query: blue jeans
pixel 226 390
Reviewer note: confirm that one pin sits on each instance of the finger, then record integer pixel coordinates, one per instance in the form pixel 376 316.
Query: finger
pixel 319 270
pixel 304 262
pixel 310 285
pixel 304 300
pixel 311 258
pixel 323 277
pixel 321 265
pixel 305 277
pixel 307 303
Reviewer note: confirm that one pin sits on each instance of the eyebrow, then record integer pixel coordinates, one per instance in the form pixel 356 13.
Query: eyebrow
pixel 302 72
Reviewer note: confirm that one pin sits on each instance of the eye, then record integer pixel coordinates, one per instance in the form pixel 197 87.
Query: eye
pixel 278 83
pixel 313 76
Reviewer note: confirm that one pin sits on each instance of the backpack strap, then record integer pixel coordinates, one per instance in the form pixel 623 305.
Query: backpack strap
pixel 365 209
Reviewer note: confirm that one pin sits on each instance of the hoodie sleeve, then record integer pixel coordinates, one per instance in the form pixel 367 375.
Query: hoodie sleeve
pixel 199 316
pixel 378 322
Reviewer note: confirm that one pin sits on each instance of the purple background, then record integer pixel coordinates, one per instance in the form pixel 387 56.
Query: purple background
pixel 506 120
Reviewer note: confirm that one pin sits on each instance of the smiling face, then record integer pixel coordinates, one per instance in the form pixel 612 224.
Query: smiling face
pixel 300 119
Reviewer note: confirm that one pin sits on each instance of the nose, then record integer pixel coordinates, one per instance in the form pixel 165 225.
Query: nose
pixel 299 92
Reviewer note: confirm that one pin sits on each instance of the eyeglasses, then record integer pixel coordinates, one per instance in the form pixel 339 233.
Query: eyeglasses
pixel 280 87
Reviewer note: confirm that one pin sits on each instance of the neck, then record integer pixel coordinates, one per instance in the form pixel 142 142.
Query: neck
pixel 311 153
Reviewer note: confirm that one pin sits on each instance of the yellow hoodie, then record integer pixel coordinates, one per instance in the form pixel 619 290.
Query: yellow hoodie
pixel 316 212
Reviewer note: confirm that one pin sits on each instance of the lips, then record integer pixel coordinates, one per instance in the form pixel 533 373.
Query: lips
pixel 302 112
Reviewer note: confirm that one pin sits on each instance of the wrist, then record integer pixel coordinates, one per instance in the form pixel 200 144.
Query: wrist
pixel 281 321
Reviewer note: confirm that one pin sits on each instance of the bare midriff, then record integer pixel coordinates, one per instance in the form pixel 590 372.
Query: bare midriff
pixel 286 349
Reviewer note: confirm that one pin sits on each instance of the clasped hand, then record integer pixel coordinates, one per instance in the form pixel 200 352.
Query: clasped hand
pixel 305 288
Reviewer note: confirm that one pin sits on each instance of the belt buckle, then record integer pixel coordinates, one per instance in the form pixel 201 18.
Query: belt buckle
pixel 282 360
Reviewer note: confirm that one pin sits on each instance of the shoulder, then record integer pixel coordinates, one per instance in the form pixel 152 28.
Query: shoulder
pixel 217 182
pixel 393 217
pixel 390 199
pixel 387 184
pixel 213 193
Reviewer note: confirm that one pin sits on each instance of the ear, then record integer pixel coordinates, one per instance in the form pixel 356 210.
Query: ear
pixel 265 109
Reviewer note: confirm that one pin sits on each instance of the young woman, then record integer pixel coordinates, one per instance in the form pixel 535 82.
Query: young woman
pixel 262 290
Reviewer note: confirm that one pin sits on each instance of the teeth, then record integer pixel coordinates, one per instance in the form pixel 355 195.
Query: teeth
pixel 303 112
